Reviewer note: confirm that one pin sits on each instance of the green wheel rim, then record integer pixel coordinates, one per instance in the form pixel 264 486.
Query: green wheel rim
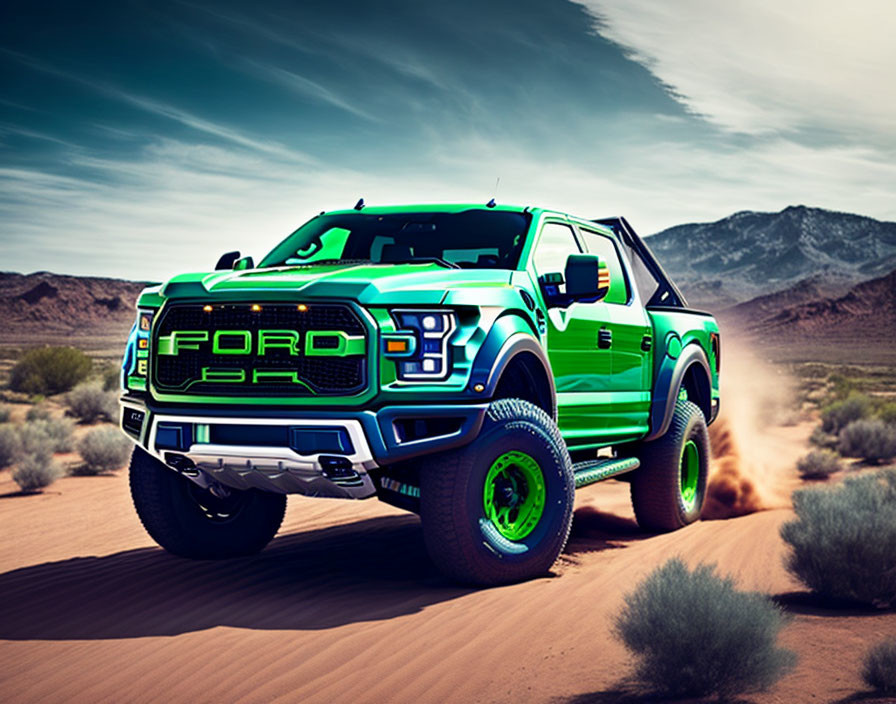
pixel 514 494
pixel 690 471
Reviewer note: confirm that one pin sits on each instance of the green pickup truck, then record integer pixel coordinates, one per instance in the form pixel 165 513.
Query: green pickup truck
pixel 474 364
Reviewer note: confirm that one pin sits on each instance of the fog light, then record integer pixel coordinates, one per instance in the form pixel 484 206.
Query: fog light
pixel 429 322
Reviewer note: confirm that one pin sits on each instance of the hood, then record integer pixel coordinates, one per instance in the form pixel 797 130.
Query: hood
pixel 380 284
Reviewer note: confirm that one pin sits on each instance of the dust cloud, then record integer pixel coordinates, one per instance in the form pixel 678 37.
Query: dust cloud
pixel 753 454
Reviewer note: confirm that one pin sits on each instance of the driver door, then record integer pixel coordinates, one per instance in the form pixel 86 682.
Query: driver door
pixel 582 370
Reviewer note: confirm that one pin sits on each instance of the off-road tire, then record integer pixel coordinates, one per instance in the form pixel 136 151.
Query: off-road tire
pixel 462 541
pixel 658 496
pixel 175 512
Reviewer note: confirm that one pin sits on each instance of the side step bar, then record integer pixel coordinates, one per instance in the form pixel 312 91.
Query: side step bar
pixel 597 470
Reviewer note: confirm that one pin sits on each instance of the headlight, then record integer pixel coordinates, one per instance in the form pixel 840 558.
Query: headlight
pixel 420 345
pixel 136 356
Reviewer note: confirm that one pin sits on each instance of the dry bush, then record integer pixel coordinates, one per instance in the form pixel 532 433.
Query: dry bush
pixel 819 464
pixel 90 403
pixel 879 667
pixel 843 541
pixel 35 470
pixel 839 414
pixel 4 413
pixel 103 449
pixel 54 435
pixel 871 439
pixel 49 370
pixel 10 444
pixel 38 411
pixel 695 634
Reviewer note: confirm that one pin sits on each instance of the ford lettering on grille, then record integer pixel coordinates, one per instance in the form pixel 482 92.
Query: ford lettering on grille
pixel 280 349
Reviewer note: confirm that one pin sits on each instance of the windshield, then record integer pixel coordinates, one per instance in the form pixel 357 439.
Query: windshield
pixel 472 239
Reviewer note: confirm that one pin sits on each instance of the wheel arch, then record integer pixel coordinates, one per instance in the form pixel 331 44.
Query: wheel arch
pixel 690 371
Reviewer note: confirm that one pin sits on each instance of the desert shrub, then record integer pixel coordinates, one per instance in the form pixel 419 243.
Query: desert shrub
pixel 695 634
pixel 38 411
pixel 818 464
pixel 871 439
pixel 90 403
pixel 49 370
pixel 10 444
pixel 839 414
pixel 35 470
pixel 4 414
pixel 886 411
pixel 111 379
pixel 819 438
pixel 103 449
pixel 843 541
pixel 879 667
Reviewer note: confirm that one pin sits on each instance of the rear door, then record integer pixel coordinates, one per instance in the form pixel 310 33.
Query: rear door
pixel 631 343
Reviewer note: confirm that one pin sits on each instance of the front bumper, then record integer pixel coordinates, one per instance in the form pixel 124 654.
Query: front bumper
pixel 291 451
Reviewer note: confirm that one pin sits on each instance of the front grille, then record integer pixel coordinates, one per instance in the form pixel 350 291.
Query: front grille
pixel 239 370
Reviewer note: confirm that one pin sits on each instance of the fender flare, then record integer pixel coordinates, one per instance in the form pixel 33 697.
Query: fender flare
pixel 668 384
pixel 509 337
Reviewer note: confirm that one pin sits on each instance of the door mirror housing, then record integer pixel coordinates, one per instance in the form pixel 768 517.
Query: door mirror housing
pixel 227 260
pixel 587 278
pixel 244 263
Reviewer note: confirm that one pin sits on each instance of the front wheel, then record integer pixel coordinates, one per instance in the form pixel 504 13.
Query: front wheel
pixel 187 520
pixel 499 509
pixel 669 488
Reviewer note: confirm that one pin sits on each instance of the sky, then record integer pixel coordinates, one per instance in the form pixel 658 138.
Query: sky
pixel 139 139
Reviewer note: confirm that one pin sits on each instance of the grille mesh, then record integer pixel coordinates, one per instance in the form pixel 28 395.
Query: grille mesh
pixel 326 375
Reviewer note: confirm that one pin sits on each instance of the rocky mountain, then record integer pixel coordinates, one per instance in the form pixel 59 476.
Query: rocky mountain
pixel 45 308
pixel 752 254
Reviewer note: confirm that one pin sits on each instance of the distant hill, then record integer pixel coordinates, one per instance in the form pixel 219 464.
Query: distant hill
pixel 857 327
pixel 752 254
pixel 45 308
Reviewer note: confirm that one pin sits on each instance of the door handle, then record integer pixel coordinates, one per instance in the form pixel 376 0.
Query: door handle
pixel 646 343
pixel 604 339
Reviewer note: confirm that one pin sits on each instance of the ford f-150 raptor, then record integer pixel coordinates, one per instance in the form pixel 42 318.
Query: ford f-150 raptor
pixel 473 364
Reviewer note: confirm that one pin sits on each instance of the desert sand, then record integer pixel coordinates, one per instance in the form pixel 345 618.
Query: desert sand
pixel 344 605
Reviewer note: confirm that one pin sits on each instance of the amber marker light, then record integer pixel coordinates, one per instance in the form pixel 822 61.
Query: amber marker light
pixel 255 308
pixel 398 346
pixel 302 307
pixel 142 343
pixel 207 309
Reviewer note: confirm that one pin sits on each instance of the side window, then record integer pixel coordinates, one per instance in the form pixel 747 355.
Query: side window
pixel 556 243
pixel 604 247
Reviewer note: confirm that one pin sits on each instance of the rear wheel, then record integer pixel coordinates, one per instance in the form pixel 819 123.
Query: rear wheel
pixel 669 488
pixel 187 520
pixel 499 509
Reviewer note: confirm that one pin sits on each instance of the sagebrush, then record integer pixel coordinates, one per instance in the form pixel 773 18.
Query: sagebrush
pixel 36 470
pixel 871 439
pixel 692 633
pixel 53 435
pixel 843 540
pixel 103 449
pixel 819 464
pixel 10 444
pixel 49 370
pixel 38 411
pixel 90 403
pixel 4 413
pixel 879 667
pixel 841 413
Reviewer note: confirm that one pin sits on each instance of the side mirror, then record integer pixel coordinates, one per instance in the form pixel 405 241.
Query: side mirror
pixel 226 261
pixel 586 279
pixel 244 263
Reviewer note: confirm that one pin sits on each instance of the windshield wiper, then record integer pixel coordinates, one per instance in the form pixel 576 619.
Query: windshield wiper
pixel 316 262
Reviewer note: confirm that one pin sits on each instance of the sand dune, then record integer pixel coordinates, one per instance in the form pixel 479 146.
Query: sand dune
pixel 345 606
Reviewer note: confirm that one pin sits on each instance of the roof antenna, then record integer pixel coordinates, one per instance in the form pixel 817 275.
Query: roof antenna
pixel 492 203
pixel 360 204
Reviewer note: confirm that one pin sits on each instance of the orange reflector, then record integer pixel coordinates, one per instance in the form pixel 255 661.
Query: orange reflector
pixel 396 345
pixel 302 307
pixel 255 308
pixel 143 343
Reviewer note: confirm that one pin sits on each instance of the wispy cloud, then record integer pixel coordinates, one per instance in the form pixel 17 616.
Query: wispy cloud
pixel 767 66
